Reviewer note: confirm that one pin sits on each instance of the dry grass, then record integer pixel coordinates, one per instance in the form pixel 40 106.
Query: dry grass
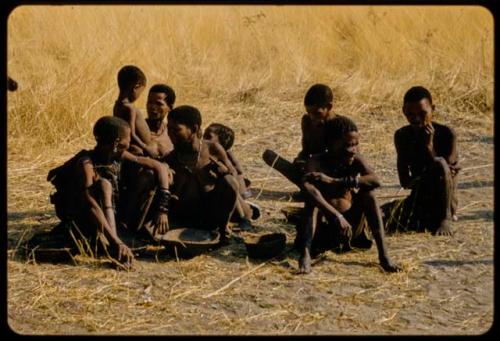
pixel 249 67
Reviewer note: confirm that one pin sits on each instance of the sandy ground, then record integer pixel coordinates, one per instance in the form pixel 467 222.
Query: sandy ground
pixel 446 286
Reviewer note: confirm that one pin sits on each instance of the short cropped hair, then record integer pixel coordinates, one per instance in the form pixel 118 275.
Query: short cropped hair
pixel 130 75
pixel 417 93
pixel 318 94
pixel 337 127
pixel 168 91
pixel 108 128
pixel 187 115
pixel 225 134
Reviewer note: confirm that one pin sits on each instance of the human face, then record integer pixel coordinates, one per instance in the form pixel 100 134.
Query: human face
pixel 122 143
pixel 318 113
pixel 211 136
pixel 180 134
pixel 418 113
pixel 345 148
pixel 157 106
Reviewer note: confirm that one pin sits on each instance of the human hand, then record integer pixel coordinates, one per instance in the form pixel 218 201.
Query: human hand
pixel 125 255
pixel 318 177
pixel 428 134
pixel 161 224
pixel 152 151
pixel 345 228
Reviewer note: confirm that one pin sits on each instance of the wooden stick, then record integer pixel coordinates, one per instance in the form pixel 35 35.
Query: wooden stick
pixel 476 167
pixel 236 279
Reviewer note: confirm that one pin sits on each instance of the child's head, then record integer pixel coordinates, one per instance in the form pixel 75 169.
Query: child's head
pixel 318 101
pixel 418 107
pixel 161 100
pixel 131 81
pixel 220 133
pixel 342 139
pixel 112 134
pixel 184 124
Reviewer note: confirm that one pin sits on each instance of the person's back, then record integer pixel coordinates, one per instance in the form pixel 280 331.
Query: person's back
pixel 131 82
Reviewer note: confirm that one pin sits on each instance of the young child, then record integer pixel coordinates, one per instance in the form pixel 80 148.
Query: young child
pixel 427 162
pixel 318 102
pixel 219 133
pixel 87 189
pixel 340 201
pixel 204 180
pixel 131 82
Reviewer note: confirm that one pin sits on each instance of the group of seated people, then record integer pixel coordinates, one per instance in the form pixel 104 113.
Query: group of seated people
pixel 147 175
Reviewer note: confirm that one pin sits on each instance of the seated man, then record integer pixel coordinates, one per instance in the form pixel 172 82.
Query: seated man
pixel 340 201
pixel 138 183
pixel 87 190
pixel 427 162
pixel 204 179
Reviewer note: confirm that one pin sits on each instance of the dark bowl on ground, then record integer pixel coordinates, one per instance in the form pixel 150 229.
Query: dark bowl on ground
pixel 265 246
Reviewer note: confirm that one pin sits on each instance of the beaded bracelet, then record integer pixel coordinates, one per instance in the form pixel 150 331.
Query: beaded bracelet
pixel 164 200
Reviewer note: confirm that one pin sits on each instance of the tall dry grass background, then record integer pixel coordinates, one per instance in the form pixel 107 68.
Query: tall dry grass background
pixel 250 66
pixel 66 58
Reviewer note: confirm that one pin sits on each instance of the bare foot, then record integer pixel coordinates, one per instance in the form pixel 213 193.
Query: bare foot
pixel 444 229
pixel 454 217
pixel 305 262
pixel 389 266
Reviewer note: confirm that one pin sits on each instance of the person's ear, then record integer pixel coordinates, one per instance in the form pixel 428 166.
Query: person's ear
pixel 329 106
pixel 433 107
pixel 115 145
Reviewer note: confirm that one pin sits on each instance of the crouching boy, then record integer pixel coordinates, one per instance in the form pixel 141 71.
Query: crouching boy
pixel 340 202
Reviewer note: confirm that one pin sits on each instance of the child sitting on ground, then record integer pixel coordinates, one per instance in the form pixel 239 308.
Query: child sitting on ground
pixel 87 190
pixel 340 202
pixel 427 162
pixel 224 135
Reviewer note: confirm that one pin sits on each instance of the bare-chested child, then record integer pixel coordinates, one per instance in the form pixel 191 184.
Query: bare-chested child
pixel 204 180
pixel 245 210
pixel 87 189
pixel 427 162
pixel 318 102
pixel 132 82
pixel 340 202
pixel 141 182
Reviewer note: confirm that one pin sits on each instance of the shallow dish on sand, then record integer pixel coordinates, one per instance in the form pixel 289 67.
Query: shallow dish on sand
pixel 189 242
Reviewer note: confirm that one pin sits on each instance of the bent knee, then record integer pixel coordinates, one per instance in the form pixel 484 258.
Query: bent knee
pixel 367 196
pixel 441 165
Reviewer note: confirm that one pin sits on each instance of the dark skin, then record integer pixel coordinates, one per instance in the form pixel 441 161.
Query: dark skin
pixel 419 116
pixel 103 216
pixel 328 196
pixel 206 162
pixel 242 207
pixel 141 142
pixel 313 142
pixel 158 108
pixel 144 181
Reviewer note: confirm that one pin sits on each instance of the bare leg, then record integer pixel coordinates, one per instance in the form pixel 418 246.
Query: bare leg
pixel 374 219
pixel 442 192
pixel 307 231
pixel 220 206
pixel 286 168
